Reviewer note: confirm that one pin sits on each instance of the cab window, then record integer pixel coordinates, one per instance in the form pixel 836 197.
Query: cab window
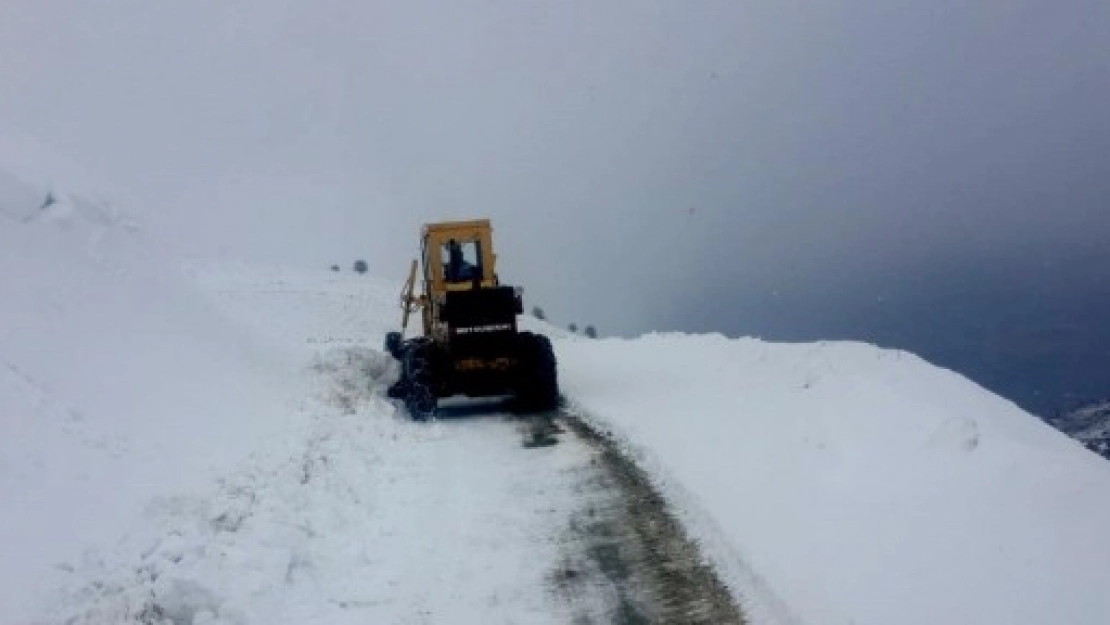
pixel 461 261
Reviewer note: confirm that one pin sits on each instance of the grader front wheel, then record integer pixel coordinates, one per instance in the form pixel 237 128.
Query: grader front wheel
pixel 419 378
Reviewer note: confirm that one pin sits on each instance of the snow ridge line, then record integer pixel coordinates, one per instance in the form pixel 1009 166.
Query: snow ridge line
pixel 758 602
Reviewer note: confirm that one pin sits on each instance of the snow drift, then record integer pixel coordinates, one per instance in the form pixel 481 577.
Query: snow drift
pixel 111 367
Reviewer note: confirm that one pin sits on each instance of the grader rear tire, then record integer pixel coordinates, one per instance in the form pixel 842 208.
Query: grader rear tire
pixel 537 387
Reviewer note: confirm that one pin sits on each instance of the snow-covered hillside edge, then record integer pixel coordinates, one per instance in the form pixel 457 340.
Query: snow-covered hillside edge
pixel 118 384
pixel 862 485
pixel 1088 424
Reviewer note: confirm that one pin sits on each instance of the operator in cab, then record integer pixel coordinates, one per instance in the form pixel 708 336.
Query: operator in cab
pixel 458 269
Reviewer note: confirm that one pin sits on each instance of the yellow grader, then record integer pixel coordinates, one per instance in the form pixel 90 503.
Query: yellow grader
pixel 470 343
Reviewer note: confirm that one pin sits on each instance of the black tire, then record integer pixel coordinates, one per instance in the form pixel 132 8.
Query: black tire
pixel 419 390
pixel 393 343
pixel 398 389
pixel 537 386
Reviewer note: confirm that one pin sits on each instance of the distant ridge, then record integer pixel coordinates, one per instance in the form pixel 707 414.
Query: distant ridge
pixel 1088 424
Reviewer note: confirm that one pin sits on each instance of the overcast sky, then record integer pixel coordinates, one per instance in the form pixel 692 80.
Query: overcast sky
pixel 754 167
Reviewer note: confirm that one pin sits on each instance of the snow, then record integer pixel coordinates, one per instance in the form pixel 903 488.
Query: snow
pixel 117 383
pixel 364 516
pixel 375 520
pixel 210 443
pixel 860 485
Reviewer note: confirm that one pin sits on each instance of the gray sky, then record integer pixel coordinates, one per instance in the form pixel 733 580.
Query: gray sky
pixel 648 164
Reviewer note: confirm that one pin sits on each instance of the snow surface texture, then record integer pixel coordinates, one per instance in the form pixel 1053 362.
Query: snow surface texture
pixel 376 519
pixel 167 458
pixel 361 515
pixel 861 485
pixel 117 383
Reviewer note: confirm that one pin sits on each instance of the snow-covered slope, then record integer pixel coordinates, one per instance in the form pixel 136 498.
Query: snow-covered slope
pixel 117 382
pixel 859 485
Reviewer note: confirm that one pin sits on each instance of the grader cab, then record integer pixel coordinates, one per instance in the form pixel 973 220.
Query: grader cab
pixel 469 344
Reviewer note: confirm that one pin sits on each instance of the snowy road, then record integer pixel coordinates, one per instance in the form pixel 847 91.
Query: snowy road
pixel 363 516
pixel 382 520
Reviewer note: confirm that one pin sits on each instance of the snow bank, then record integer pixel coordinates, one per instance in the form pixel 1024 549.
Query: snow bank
pixel 861 485
pixel 117 381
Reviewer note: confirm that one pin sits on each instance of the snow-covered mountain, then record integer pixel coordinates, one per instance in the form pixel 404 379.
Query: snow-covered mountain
pixel 210 444
pixel 118 384
pixel 1088 424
